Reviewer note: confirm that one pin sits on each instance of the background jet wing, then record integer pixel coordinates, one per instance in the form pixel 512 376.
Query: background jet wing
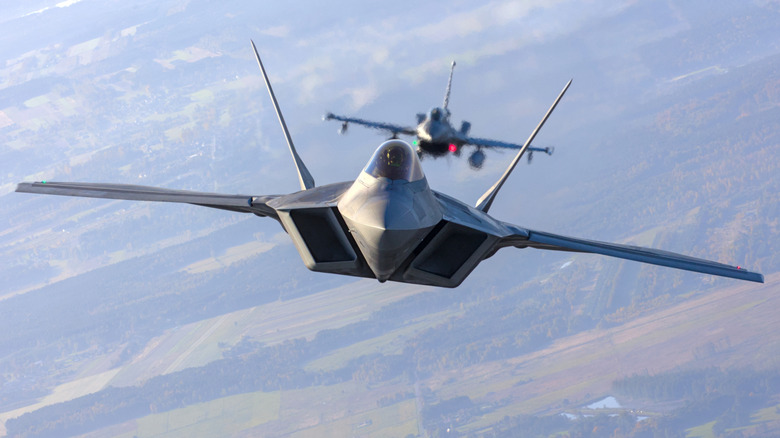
pixel 394 129
pixel 486 142
pixel 523 238
pixel 239 203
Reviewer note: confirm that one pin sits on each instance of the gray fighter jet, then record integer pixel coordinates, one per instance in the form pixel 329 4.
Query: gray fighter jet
pixel 437 137
pixel 388 224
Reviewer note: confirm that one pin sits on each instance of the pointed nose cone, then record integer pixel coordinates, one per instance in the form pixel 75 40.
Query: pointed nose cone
pixel 432 131
pixel 390 208
pixel 387 230
pixel 438 132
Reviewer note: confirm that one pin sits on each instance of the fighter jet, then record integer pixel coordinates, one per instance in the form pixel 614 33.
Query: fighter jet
pixel 388 224
pixel 437 137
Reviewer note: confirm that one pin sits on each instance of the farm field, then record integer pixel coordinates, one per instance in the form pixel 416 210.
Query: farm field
pixel 577 369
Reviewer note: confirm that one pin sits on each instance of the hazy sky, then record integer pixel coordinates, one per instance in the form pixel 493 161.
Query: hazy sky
pixel 387 61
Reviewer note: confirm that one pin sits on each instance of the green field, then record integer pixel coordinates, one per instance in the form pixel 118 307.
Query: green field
pixel 219 417
pixel 769 416
pixel 202 342
pixel 390 343
pixel 398 420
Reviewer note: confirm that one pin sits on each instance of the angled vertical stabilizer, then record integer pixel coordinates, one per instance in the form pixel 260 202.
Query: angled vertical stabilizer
pixel 449 87
pixel 486 200
pixel 304 176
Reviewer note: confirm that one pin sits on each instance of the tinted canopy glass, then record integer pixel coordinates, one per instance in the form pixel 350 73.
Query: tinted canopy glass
pixel 395 160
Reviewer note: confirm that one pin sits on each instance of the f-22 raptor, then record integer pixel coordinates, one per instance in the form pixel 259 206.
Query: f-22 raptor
pixel 436 136
pixel 388 224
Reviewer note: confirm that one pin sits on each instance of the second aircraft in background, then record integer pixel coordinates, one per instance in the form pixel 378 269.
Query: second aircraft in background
pixel 435 134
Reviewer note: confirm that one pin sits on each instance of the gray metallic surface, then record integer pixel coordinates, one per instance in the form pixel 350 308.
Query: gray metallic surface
pixel 389 218
pixel 543 240
pixel 322 196
pixel 304 177
pixel 239 203
pixel 389 127
pixel 436 131
pixel 504 145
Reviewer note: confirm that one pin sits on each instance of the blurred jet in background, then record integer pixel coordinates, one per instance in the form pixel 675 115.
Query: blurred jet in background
pixel 436 136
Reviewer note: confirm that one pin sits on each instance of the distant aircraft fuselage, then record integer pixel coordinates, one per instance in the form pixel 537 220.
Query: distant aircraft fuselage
pixel 435 135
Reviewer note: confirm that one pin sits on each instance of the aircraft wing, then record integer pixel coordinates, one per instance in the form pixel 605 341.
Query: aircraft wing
pixel 524 238
pixel 238 203
pixel 486 142
pixel 394 129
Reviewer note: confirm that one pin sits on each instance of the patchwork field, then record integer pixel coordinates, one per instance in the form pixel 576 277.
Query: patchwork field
pixel 726 327
pixel 199 343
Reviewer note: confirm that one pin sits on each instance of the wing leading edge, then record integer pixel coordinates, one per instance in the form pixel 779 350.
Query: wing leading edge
pixel 393 129
pixel 524 238
pixel 485 142
pixel 238 203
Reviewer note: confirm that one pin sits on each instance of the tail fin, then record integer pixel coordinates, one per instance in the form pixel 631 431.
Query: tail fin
pixel 486 200
pixel 304 177
pixel 449 86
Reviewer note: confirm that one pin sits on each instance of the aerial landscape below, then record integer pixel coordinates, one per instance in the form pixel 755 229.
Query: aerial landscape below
pixel 123 318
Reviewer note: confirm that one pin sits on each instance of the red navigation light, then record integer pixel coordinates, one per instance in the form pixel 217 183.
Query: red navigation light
pixel 453 148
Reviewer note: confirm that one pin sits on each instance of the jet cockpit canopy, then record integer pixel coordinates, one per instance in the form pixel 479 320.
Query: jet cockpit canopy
pixel 395 160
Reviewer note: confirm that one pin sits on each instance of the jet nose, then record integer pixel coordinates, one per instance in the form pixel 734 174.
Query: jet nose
pixel 387 230
pixel 433 132
pixel 386 250
pixel 424 131
pixel 437 132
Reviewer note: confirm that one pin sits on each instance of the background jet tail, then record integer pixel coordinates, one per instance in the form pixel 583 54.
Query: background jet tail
pixel 449 87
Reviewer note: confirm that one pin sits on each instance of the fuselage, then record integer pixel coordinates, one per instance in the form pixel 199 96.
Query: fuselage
pixel 435 134
pixel 388 225
pixel 390 208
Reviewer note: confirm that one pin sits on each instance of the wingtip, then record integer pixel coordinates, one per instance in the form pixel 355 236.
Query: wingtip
pixel 750 275
pixel 32 186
